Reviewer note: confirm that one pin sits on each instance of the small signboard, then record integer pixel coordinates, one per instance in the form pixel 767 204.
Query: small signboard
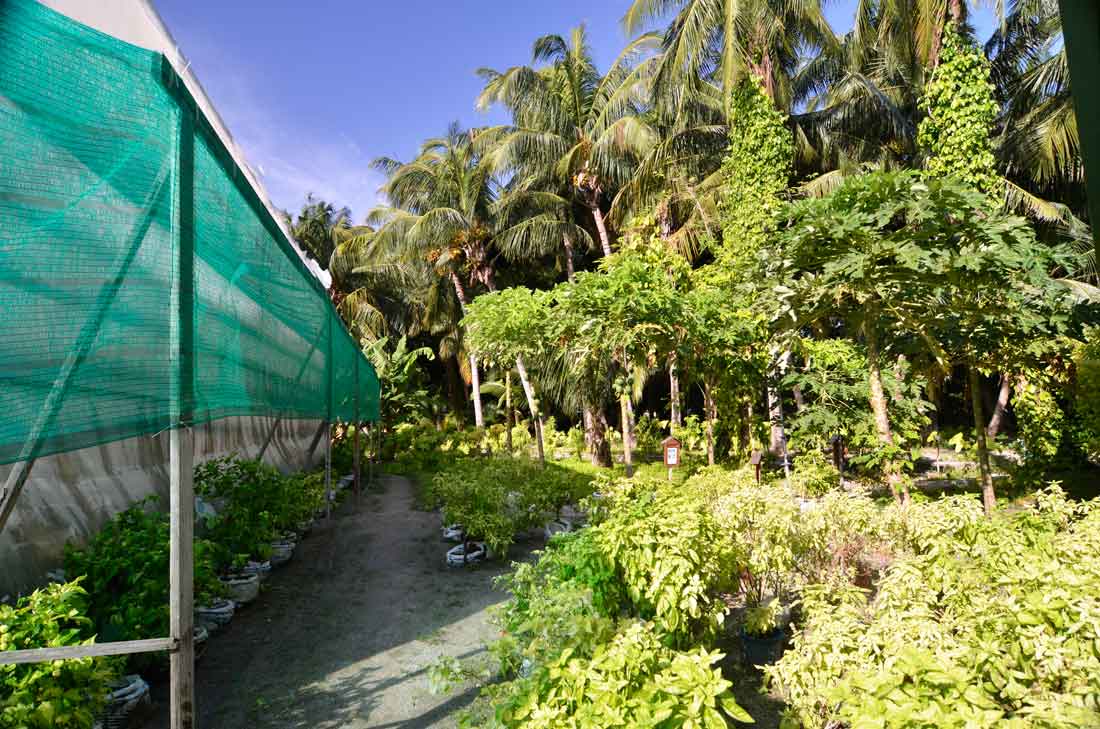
pixel 672 452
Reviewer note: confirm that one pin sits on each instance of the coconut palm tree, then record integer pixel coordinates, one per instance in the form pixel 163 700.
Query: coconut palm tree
pixel 722 41
pixel 444 210
pixel 319 228
pixel 574 133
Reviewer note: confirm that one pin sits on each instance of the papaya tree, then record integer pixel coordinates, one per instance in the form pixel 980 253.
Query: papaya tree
pixel 897 258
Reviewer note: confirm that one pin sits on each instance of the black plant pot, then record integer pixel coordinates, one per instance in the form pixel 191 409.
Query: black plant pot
pixel 763 650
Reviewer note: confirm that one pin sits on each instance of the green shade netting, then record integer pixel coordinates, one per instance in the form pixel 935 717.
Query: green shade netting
pixel 115 199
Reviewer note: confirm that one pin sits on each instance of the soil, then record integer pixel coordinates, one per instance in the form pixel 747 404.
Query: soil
pixel 344 634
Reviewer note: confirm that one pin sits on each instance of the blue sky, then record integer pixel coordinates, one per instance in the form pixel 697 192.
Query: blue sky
pixel 314 91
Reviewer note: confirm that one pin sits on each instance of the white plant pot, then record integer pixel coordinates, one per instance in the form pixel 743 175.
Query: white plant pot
pixel 127 695
pixel 242 588
pixel 218 613
pixel 458 557
pixel 454 533
pixel 558 526
pixel 281 552
pixel 261 569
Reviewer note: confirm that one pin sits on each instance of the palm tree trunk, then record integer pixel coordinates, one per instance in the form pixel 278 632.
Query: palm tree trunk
pixel 989 498
pixel 710 409
pixel 601 227
pixel 881 413
pixel 456 388
pixel 508 407
pixel 628 434
pixel 595 433
pixel 475 376
pixel 567 241
pixel 997 419
pixel 674 392
pixel 533 406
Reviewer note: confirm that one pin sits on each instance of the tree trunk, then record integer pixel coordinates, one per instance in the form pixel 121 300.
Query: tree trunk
pixel 677 420
pixel 508 406
pixel 475 376
pixel 628 434
pixel 599 449
pixel 775 415
pixel 799 398
pixel 532 405
pixel 989 499
pixel 997 419
pixel 630 414
pixel 711 412
pixel 456 388
pixel 744 435
pixel 568 243
pixel 601 227
pixel 882 415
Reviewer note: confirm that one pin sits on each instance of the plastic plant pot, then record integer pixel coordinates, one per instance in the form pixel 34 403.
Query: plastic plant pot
pixel 261 569
pixel 558 526
pixel 465 554
pixel 763 650
pixel 454 533
pixel 242 588
pixel 126 696
pixel 281 552
pixel 218 613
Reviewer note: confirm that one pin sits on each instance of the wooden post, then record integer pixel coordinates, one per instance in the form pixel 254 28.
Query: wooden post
pixel 181 594
pixel 358 425
pixel 181 562
pixel 358 490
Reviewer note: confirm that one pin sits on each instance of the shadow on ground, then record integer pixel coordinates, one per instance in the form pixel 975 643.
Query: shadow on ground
pixel 343 636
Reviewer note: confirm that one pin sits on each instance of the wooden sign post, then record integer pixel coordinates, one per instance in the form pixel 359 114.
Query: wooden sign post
pixel 672 451
pixel 755 458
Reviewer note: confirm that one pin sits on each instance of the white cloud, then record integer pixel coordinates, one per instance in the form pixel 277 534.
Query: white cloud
pixel 290 158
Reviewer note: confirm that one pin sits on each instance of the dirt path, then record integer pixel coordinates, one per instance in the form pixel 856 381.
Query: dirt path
pixel 344 634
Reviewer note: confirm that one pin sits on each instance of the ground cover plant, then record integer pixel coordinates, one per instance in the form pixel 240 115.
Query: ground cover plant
pixel 925 614
pixel 124 569
pixel 62 694
pixel 496 498
pixel 255 506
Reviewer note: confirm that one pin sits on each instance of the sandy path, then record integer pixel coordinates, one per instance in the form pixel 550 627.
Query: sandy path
pixel 343 635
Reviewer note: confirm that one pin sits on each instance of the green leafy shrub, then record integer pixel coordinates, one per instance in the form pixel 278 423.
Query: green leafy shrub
pixel 814 475
pixel 691 434
pixel 632 681
pixel 495 498
pixel 1086 423
pixel 764 524
pixel 989 623
pixel 258 506
pixel 570 598
pixel 59 694
pixel 672 557
pixel 126 573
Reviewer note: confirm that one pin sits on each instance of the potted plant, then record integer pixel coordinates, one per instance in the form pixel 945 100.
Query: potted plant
pixel 763 634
